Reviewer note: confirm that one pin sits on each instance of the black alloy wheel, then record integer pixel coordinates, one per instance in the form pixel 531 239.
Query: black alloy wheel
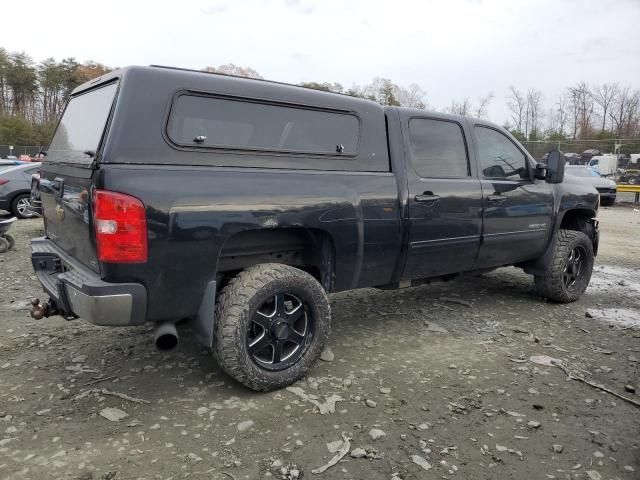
pixel 573 266
pixel 279 332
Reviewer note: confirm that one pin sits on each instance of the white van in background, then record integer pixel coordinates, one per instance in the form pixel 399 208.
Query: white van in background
pixel 605 165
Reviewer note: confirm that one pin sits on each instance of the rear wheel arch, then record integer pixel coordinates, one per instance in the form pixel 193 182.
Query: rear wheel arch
pixel 309 249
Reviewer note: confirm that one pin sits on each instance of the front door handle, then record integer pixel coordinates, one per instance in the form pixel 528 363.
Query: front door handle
pixel 428 197
pixel 497 198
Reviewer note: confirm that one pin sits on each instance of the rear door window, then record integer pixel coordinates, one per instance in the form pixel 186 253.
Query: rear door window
pixel 80 130
pixel 438 148
pixel 211 122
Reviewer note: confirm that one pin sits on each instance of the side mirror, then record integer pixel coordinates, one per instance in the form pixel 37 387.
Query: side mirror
pixel 540 172
pixel 555 167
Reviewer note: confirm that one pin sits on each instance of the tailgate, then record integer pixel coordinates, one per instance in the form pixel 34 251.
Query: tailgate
pixel 68 171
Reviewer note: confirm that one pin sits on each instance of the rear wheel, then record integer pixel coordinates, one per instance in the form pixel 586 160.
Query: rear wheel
pixel 633 180
pixel 570 270
pixel 272 322
pixel 21 206
pixel 607 202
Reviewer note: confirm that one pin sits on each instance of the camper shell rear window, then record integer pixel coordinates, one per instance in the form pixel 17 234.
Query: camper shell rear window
pixel 81 127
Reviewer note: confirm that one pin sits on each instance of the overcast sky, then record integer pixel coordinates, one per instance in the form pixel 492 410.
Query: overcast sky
pixel 451 48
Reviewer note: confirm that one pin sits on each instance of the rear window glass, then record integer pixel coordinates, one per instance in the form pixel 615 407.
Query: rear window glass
pixel 221 123
pixel 78 135
pixel 438 148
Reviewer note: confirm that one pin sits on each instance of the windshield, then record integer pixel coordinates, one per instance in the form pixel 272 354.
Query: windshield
pixel 80 130
pixel 582 172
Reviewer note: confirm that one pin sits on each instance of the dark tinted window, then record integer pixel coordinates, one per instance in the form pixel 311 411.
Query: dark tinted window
pixel 216 122
pixel 82 125
pixel 498 156
pixel 438 148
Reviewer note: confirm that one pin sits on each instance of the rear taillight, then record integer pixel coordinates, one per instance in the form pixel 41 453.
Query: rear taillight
pixel 120 226
pixel 3 181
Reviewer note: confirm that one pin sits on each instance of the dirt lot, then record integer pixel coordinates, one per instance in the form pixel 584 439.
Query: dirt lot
pixel 445 371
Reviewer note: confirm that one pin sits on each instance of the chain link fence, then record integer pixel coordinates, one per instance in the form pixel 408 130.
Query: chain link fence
pixel 585 149
pixel 17 150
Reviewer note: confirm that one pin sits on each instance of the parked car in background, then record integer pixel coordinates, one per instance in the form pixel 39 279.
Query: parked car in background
pixel 606 187
pixel 573 158
pixel 605 165
pixel 4 164
pixel 587 155
pixel 15 189
pixel 631 172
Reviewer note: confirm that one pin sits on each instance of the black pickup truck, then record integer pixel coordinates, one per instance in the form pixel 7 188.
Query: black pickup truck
pixel 239 204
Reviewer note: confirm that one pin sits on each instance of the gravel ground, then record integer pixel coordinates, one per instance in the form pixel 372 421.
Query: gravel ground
pixel 440 381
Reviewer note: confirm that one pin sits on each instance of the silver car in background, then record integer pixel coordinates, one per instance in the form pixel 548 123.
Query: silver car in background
pixel 606 188
pixel 15 188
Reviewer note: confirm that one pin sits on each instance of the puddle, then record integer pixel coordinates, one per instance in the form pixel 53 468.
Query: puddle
pixel 607 277
pixel 623 317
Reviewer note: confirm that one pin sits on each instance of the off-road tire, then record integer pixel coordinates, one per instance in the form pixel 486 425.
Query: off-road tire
pixel 552 285
pixel 240 299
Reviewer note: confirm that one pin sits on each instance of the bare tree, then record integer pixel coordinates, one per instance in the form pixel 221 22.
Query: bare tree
pixel 517 105
pixel 625 112
pixel 412 96
pixel 483 104
pixel 236 70
pixel 534 102
pixel 583 106
pixel 459 107
pixel 604 96
pixel 561 113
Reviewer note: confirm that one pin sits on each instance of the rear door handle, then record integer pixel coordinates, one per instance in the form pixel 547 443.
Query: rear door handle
pixel 428 198
pixel 496 198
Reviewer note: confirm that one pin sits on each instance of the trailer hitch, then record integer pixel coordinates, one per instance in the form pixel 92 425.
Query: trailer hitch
pixel 39 311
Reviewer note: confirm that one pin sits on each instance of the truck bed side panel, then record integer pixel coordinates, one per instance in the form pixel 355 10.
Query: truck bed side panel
pixel 189 226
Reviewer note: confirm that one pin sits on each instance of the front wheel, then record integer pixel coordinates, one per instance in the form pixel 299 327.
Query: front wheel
pixel 633 180
pixel 21 206
pixel 570 270
pixel 272 322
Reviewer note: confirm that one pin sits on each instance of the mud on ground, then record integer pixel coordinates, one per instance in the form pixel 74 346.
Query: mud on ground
pixel 441 376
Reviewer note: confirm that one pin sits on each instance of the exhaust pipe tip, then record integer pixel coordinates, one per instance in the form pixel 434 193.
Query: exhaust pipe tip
pixel 165 336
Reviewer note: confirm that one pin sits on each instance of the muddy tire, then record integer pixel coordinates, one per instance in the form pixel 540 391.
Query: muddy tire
pixel 570 270
pixel 272 322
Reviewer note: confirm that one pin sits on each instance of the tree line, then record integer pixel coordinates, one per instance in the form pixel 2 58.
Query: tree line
pixel 580 112
pixel 33 95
